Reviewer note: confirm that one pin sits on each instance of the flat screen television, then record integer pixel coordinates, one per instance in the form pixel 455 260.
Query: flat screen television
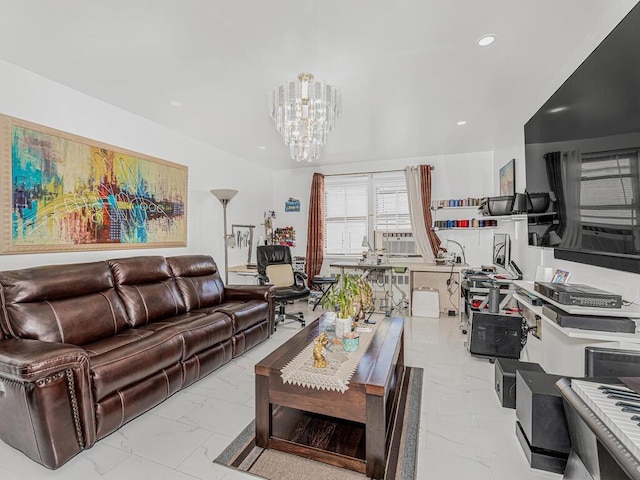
pixel 582 151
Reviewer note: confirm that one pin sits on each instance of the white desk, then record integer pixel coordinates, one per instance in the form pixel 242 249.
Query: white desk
pixel 421 274
pixel 367 269
pixel 248 276
pixel 560 350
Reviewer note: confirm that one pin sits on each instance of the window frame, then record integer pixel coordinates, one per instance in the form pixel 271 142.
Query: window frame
pixel 374 181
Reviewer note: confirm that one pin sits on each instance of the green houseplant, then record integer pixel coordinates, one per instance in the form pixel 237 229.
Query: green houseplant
pixel 342 297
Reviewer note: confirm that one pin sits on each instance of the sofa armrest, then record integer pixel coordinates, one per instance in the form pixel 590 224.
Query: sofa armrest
pixel 26 360
pixel 250 292
pixel 46 401
pixel 255 292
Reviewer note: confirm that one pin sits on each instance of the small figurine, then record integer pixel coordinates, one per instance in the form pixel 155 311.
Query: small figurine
pixel 319 360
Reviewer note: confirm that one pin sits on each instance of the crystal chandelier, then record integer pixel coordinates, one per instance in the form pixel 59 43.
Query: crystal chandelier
pixel 305 111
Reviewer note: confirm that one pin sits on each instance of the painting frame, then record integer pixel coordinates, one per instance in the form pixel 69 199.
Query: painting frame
pixel 508 178
pixel 61 192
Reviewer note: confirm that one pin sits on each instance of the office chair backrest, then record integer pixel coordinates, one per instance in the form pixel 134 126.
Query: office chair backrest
pixel 272 255
pixel 281 275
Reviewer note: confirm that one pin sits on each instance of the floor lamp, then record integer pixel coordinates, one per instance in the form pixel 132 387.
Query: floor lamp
pixel 225 195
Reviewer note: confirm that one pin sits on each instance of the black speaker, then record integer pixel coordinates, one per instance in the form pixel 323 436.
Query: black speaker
pixel 540 411
pixel 505 378
pixel 495 335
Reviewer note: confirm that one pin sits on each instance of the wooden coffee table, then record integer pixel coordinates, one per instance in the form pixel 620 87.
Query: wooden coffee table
pixel 351 429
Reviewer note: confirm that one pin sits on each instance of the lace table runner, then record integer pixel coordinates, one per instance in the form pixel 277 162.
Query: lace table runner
pixel 336 375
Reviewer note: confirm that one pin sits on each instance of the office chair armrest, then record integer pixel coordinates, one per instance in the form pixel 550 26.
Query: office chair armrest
pixel 263 279
pixel 299 278
pixel 249 292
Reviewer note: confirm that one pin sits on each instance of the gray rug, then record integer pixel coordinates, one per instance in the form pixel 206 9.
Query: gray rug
pixel 243 454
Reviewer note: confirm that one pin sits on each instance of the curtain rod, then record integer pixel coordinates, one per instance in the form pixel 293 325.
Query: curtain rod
pixel 367 173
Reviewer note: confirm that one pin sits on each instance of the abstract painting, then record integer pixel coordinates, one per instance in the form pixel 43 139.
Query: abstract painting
pixel 62 192
pixel 508 178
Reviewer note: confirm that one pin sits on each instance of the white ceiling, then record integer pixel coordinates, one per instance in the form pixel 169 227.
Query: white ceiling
pixel 408 69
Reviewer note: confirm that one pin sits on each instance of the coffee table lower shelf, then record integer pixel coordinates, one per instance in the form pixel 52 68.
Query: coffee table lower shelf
pixel 350 430
pixel 326 439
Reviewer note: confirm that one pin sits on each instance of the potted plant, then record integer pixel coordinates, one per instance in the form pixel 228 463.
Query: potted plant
pixel 341 299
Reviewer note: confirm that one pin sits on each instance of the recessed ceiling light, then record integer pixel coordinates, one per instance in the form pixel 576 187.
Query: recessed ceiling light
pixel 176 103
pixel 486 40
pixel 558 109
pixel 462 122
pixel 262 147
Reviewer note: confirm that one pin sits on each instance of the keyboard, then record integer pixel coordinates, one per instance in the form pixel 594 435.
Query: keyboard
pixel 607 403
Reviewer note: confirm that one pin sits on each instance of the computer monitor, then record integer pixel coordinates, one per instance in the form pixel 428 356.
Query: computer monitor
pixel 501 249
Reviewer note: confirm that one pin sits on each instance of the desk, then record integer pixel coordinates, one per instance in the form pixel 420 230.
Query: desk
pixel 560 350
pixel 250 274
pixel 421 274
pixel 367 269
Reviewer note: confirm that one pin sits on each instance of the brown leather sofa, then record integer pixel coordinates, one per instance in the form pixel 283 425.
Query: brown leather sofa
pixel 84 348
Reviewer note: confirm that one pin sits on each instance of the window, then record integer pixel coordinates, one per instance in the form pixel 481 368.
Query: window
pixel 610 190
pixel 356 205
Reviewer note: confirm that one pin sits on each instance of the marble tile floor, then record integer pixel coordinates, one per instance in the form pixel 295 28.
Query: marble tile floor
pixel 464 432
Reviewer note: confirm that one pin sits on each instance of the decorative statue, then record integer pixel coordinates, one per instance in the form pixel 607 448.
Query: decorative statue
pixel 319 360
pixel 364 301
pixel 269 217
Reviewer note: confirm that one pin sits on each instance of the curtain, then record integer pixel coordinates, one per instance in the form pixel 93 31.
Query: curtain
pixel 553 162
pixel 425 186
pixel 420 223
pixel 571 226
pixel 315 229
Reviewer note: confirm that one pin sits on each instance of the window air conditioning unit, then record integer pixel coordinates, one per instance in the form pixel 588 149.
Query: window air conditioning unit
pixel 395 243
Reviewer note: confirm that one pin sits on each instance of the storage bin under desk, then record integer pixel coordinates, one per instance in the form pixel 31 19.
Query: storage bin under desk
pixel 436 277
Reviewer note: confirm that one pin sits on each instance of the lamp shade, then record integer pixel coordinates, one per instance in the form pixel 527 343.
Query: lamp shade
pixel 224 194
pixel 554 238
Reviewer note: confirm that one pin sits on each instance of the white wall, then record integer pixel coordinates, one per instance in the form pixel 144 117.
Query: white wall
pixel 34 98
pixel 455 176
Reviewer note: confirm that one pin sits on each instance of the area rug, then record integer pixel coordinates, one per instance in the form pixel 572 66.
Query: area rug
pixel 244 455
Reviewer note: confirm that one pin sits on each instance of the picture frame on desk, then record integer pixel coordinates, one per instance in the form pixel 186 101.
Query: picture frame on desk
pixel 561 276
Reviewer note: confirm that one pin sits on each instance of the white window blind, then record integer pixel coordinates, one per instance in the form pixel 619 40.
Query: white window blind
pixel 609 193
pixel 346 203
pixel 390 202
pixel 356 205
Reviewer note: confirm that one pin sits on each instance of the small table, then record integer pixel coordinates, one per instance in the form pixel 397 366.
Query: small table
pixel 324 284
pixel 350 429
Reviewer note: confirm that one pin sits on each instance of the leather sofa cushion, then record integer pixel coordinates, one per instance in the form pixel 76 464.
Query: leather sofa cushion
pixel 147 289
pixel 62 303
pixel 198 280
pixel 245 314
pixel 132 361
pixel 198 331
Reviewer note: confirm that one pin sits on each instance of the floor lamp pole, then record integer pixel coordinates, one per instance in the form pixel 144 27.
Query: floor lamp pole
pixel 226 247
pixel 225 195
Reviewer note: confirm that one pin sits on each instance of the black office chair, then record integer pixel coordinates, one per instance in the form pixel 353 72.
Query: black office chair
pixel 276 268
